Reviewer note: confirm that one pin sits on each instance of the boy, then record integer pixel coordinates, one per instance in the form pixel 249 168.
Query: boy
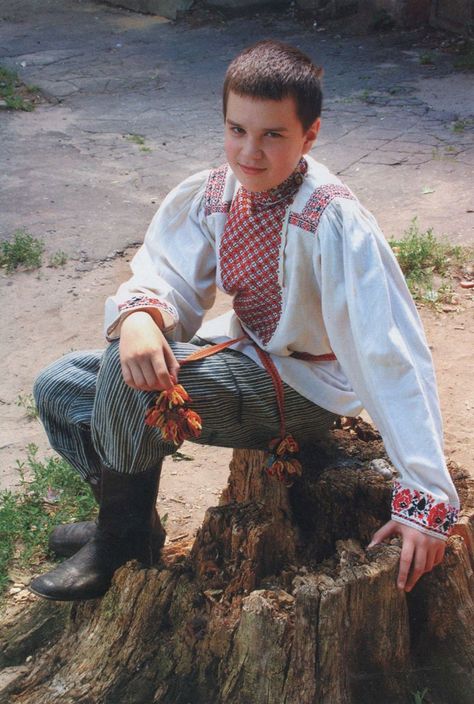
pixel 322 318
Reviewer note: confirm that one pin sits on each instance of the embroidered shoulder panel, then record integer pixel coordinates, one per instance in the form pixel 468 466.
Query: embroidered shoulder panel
pixel 316 204
pixel 421 509
pixel 214 197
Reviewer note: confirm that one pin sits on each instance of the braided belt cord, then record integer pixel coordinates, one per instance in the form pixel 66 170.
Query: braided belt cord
pixel 177 421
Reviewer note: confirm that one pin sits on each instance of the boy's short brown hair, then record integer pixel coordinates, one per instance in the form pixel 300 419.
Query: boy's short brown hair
pixel 273 70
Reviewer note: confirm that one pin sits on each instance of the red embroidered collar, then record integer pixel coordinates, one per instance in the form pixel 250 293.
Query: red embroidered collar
pixel 284 192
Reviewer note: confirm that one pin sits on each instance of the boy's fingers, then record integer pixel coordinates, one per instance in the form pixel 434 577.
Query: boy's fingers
pixel 151 378
pixel 133 376
pixel 433 557
pixel 418 569
pixel 126 373
pixel 162 375
pixel 430 562
pixel 382 534
pixel 406 558
pixel 172 363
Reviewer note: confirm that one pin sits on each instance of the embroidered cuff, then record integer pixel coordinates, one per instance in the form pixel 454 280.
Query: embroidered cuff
pixel 421 510
pixel 168 312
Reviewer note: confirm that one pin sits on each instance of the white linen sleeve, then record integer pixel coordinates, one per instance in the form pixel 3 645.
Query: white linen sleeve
pixel 173 272
pixel 378 339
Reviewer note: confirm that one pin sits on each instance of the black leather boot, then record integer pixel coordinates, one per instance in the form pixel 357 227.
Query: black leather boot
pixel 65 540
pixel 123 533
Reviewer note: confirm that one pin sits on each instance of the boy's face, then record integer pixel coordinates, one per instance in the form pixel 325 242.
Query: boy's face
pixel 264 140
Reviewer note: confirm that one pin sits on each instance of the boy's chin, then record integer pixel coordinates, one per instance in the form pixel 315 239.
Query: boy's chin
pixel 254 183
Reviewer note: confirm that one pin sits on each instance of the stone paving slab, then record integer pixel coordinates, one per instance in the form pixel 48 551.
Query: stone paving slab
pixel 71 174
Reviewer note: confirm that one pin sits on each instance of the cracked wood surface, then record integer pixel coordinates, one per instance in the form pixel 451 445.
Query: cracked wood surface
pixel 320 622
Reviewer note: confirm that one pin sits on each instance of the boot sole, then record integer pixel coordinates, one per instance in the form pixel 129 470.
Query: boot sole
pixel 65 598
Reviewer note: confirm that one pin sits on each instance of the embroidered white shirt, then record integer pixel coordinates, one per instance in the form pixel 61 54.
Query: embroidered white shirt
pixel 339 289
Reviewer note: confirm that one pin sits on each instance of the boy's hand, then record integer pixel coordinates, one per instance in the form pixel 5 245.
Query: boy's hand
pixel 148 364
pixel 420 552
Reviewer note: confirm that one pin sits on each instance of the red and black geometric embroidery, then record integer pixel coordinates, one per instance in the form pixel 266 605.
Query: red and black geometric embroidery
pixel 422 509
pixel 310 216
pixel 148 302
pixel 249 259
pixel 213 198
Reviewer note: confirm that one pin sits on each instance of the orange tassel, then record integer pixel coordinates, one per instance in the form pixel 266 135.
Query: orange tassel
pixel 280 464
pixel 171 415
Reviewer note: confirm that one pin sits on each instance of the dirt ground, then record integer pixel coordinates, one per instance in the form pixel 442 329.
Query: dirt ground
pixel 65 314
pixel 396 128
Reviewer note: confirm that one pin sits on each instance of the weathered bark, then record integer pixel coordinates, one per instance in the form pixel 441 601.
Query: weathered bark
pixel 276 602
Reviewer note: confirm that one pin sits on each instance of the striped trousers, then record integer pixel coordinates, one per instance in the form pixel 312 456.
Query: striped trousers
pixel 94 420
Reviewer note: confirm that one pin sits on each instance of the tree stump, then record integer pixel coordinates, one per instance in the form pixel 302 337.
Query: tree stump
pixel 277 601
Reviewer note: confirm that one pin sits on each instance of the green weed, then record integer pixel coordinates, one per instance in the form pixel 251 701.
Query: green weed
pixel 426 263
pixel 368 96
pixel 23 250
pixel 27 402
pixel 181 457
pixel 140 140
pixel 465 60
pixel 55 494
pixel 58 259
pixel 427 59
pixel 419 697
pixel 136 139
pixel 461 125
pixel 14 92
pixel 447 152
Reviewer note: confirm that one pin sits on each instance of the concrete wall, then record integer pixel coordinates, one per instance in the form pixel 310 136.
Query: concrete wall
pixel 243 4
pixel 171 8
pixel 454 15
pixel 165 8
pixel 405 13
pixel 329 8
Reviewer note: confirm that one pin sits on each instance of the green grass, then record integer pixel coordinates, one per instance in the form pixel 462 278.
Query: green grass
pixel 140 140
pixel 419 697
pixel 427 263
pixel 16 95
pixel 58 259
pixel 56 494
pixel 461 125
pixel 465 60
pixel 23 250
pixel 181 457
pixel 26 252
pixel 27 402
pixel 427 59
pixel 136 139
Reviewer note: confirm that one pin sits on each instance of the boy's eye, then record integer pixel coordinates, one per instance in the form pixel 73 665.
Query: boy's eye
pixel 237 130
pixel 273 134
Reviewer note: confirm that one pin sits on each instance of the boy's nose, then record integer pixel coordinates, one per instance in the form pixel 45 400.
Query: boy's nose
pixel 252 149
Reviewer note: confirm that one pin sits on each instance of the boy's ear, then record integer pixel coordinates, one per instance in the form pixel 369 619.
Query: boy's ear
pixel 311 135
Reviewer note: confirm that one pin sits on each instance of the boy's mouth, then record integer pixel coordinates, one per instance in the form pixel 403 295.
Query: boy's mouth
pixel 251 170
